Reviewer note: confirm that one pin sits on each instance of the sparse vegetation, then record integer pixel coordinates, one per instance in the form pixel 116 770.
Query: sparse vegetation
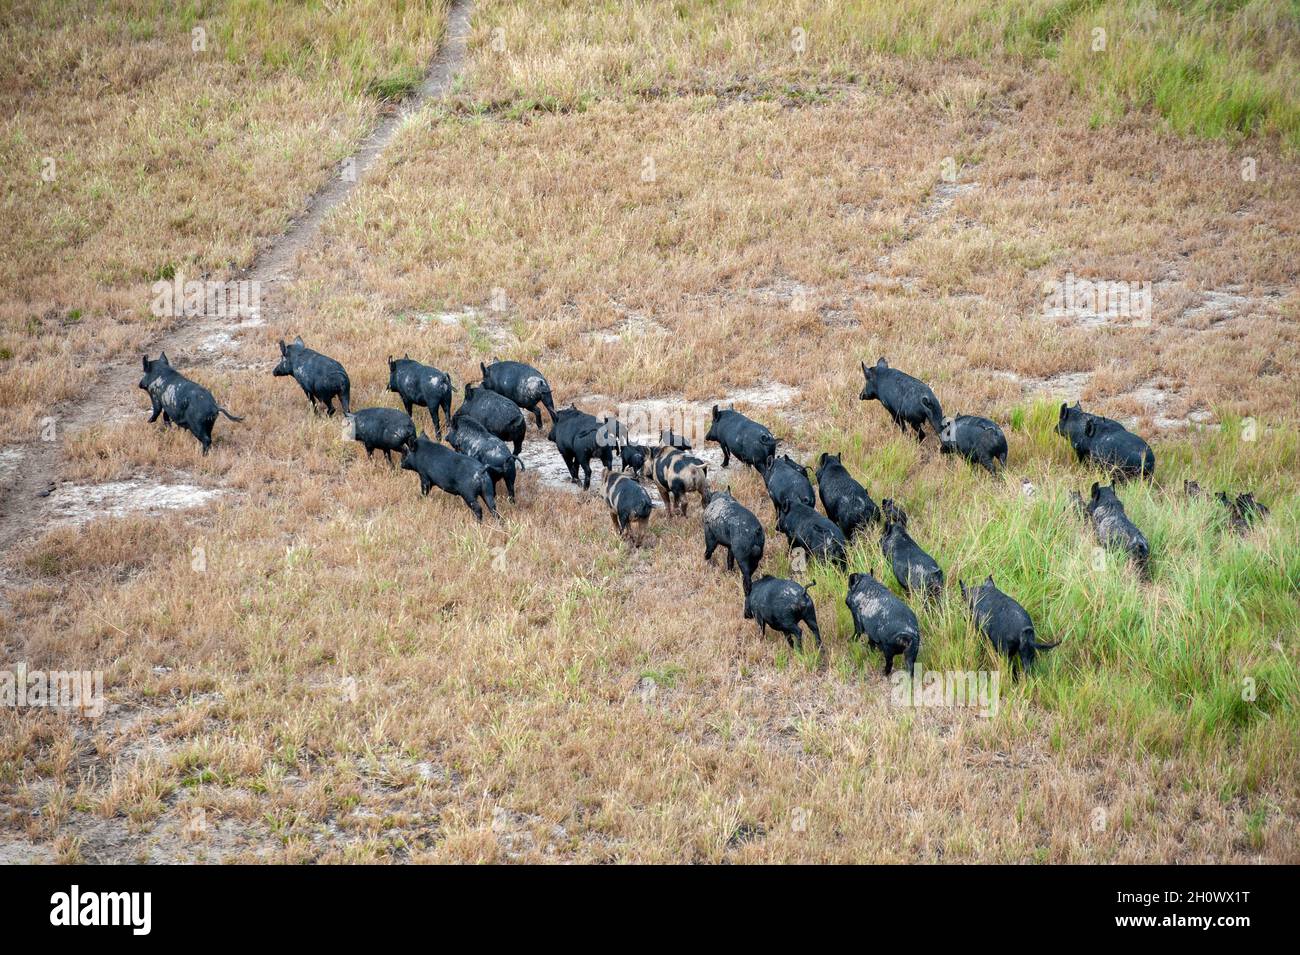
pixel 353 673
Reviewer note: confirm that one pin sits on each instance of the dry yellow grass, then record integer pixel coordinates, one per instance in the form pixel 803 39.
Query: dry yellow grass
pixel 361 674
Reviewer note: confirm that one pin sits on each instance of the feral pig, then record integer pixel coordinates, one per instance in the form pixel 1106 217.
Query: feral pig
pixel 1243 510
pixel 422 385
pixel 678 474
pixel 782 605
pixel 523 384
pixel 180 400
pixel 387 429
pixel 729 524
pixel 889 623
pixel 914 569
pixel 979 440
pixel 633 458
pixel 1004 622
pixel 748 440
pixel 787 482
pixel 804 527
pixel 579 437
pixel 497 413
pixel 321 378
pixel 456 473
pixel 845 501
pixel 908 400
pixel 1113 527
pixel 1105 442
pixel 468 436
pixel 629 505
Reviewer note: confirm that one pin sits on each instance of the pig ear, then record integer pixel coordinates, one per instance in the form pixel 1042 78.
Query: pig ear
pixel 715 412
pixel 284 350
pixel 483 368
pixel 962 585
pixel 1096 489
pixel 864 366
pixel 989 579
pixel 882 363
pixel 145 359
pixel 391 362
pixel 299 342
pixel 162 357
pixel 1090 428
pixel 1064 409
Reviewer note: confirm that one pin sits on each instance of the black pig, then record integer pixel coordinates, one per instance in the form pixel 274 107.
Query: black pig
pixel 748 440
pixel 421 385
pixel 633 458
pixel 1004 622
pixel 729 524
pixel 579 437
pixel 1113 527
pixel 908 400
pixel 845 501
pixel 439 466
pixel 497 413
pixel 1106 442
pixel 782 605
pixel 889 623
pixel 387 429
pixel 321 378
pixel 180 400
pixel 468 436
pixel 979 440
pixel 787 482
pixel 820 539
pixel 523 384
pixel 913 568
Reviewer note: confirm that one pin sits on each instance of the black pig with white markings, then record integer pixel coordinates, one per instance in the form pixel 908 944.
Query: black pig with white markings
pixel 729 524
pixel 468 436
pixel 889 624
pixel 979 440
pixel 782 605
pixel 421 385
pixel 383 429
pixel 459 474
pixel 497 413
pixel 181 401
pixel 908 400
pixel 787 482
pixel 845 501
pixel 1007 624
pixel 321 378
pixel 1105 442
pixel 748 440
pixel 914 569
pixel 523 384
pixel 629 505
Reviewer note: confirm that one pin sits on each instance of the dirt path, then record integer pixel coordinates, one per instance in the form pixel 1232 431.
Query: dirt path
pixel 36 466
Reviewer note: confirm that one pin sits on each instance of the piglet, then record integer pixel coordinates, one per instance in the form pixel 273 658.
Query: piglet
pixel 678 474
pixel 629 505
pixel 1113 527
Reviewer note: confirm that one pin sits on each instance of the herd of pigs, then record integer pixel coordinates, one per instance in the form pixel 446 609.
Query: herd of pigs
pixel 486 434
